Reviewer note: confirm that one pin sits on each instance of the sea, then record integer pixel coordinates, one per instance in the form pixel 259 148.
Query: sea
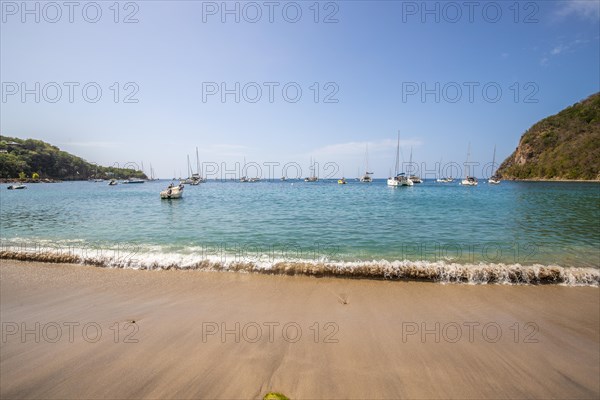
pixel 512 233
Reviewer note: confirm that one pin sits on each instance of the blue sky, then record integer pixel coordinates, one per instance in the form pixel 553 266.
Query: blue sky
pixel 375 61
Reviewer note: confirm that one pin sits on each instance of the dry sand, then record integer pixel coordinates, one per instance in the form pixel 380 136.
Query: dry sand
pixel 374 356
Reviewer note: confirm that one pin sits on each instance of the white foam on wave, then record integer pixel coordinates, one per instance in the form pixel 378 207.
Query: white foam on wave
pixel 155 257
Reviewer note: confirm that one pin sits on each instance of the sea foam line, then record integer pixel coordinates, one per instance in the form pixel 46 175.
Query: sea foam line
pixel 431 271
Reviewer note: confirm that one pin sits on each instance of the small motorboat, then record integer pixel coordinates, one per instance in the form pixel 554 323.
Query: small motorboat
pixel 416 179
pixel 16 187
pixel 113 182
pixel 172 192
pixel 445 180
pixel 469 181
pixel 133 180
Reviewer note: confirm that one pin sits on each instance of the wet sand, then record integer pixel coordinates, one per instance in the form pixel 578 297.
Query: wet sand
pixel 158 334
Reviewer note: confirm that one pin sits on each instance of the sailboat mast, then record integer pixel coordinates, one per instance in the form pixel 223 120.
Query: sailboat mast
pixel 467 162
pixel 189 166
pixel 397 153
pixel 197 162
pixel 494 162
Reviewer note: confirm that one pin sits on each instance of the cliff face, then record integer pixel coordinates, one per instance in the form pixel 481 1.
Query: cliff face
pixel 563 146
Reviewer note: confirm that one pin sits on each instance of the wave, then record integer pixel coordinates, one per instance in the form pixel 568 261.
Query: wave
pixel 429 271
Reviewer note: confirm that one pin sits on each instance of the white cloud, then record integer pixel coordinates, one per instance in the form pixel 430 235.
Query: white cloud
pixel 561 48
pixel 586 9
pixel 558 49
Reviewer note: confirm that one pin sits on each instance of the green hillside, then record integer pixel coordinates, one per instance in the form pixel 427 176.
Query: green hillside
pixel 563 146
pixel 21 158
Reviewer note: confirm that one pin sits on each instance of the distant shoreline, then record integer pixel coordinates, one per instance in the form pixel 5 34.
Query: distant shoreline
pixel 553 180
pixel 29 180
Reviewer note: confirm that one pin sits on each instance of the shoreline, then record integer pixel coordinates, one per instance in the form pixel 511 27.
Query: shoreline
pixel 29 180
pixel 371 343
pixel 399 271
pixel 552 180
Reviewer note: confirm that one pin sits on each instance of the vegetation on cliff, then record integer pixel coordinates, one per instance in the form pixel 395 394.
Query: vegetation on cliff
pixel 562 146
pixel 35 159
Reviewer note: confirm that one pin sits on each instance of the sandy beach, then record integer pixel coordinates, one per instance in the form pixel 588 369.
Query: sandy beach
pixel 82 332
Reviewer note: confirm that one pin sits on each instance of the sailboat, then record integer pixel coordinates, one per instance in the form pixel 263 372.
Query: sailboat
pixel 197 177
pixel 313 176
pixel 188 180
pixel 443 179
pixel 366 178
pixel 414 178
pixel 399 179
pixel 469 180
pixel 494 179
pixel 152 177
pixel 246 179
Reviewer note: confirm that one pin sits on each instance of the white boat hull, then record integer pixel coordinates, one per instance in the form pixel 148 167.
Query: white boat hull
pixel 172 193
pixel 466 182
pixel 399 182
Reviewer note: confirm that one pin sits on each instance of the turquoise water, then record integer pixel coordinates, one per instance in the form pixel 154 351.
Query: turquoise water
pixel 523 223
